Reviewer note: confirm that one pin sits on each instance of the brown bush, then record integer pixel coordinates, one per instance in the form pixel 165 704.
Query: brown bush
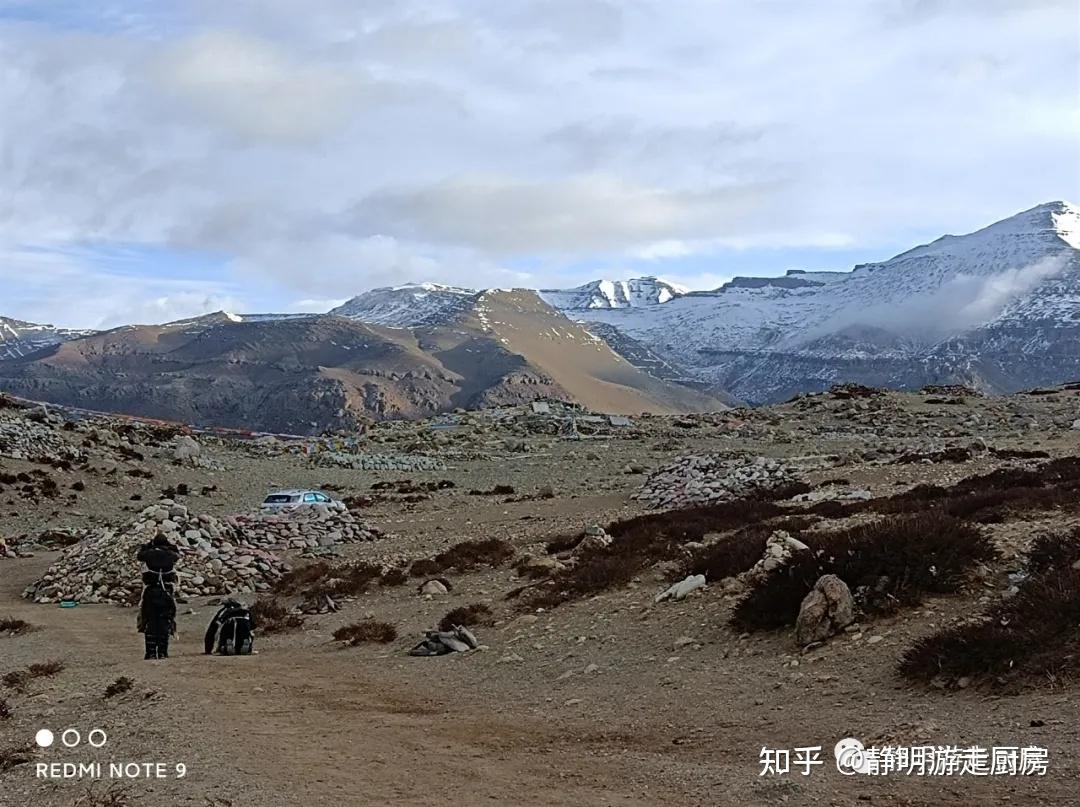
pixel 464 557
pixel 893 560
pixel 119 687
pixel 114 796
pixel 1050 552
pixel 295 581
pixel 14 627
pixel 367 630
pixel 475 614
pixel 394 577
pixel 16 679
pixel 1034 635
pixel 271 616
pixel 46 669
pixel 15 756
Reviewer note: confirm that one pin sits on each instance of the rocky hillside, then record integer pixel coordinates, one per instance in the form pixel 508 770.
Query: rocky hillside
pixel 305 375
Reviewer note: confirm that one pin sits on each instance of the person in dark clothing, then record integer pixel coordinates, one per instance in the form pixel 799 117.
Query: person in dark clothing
pixel 234 629
pixel 157 621
pixel 157 610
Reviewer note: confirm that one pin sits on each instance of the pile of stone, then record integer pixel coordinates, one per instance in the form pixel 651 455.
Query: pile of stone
pixel 378 462
pixel 24 439
pixel 695 479
pixel 216 559
pixel 234 555
pixel 303 528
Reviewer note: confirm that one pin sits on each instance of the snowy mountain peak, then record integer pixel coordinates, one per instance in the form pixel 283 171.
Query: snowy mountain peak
pixel 408 305
pixel 638 292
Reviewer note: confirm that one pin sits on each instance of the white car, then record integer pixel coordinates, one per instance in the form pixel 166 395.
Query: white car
pixel 289 499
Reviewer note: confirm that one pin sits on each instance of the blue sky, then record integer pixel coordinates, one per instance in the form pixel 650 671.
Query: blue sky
pixel 163 160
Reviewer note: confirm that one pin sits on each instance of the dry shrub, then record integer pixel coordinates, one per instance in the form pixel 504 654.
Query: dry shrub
pixel 321 579
pixel 475 614
pixel 5 710
pixel 368 630
pixel 893 560
pixel 16 679
pixel 271 616
pixel 14 627
pixel 119 687
pixel 46 669
pixel 394 577
pixel 15 756
pixel 1036 634
pixel 114 796
pixel 1049 552
pixel 464 557
pixel 642 541
pixel 563 543
pixel 729 556
pixel 295 581
pixel 498 490
pixel 425 567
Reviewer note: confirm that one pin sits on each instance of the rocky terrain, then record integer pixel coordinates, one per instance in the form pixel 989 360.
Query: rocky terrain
pixel 628 583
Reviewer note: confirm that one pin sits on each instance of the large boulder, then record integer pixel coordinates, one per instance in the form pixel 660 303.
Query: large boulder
pixel 825 611
pixel 186 448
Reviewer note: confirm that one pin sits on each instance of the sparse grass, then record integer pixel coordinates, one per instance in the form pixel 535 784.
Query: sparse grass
pixel 894 561
pixel 365 631
pixel 10 626
pixel 464 557
pixel 1036 634
pixel 271 616
pixel 119 687
pixel 322 579
pixel 475 614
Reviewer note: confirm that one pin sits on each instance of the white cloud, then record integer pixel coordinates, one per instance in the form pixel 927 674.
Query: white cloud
pixel 326 146
pixel 254 88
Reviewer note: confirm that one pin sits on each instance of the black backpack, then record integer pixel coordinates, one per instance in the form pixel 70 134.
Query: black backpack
pixel 234 629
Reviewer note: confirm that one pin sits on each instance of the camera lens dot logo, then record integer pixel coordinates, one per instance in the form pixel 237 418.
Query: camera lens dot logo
pixel 44 738
pixel 851 756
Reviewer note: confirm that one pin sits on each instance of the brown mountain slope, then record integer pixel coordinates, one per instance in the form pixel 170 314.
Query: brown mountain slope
pixel 327 372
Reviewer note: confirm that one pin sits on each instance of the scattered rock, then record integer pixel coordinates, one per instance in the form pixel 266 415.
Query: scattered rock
pixel 825 611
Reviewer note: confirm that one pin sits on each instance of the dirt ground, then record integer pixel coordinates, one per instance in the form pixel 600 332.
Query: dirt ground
pixel 595 702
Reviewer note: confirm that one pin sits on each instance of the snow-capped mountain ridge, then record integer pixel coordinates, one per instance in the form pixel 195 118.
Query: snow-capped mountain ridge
pixel 638 292
pixel 763 338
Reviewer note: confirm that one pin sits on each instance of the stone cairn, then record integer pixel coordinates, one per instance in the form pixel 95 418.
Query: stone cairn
pixel 696 480
pixel 234 555
pixel 378 462
pixel 23 439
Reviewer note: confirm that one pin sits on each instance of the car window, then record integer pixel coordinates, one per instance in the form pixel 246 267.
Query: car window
pixel 322 497
pixel 277 498
pixel 309 497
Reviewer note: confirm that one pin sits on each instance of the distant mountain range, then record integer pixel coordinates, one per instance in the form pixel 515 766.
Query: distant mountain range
pixel 998 309
pixel 307 374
